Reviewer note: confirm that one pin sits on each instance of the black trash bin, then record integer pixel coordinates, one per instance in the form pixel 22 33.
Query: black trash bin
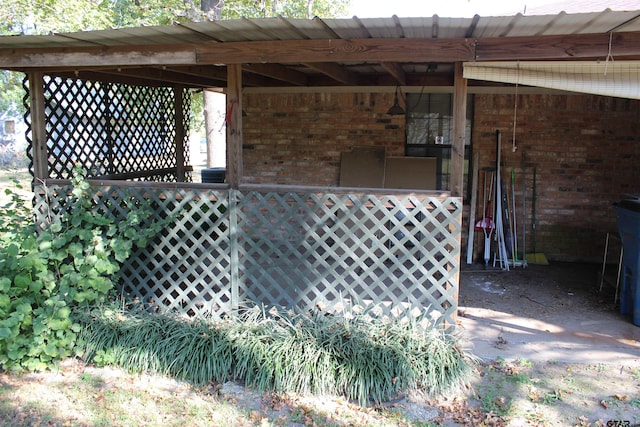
pixel 629 229
pixel 213 175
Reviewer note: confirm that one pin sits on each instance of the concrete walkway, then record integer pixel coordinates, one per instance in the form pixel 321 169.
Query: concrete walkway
pixel 545 313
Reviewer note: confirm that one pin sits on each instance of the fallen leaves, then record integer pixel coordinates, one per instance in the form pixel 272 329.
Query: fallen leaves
pixel 459 411
pixel 274 401
pixel 621 397
pixel 583 421
pixel 500 342
pixel 519 392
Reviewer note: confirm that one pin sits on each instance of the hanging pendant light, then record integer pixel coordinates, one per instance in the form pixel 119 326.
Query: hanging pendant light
pixel 396 109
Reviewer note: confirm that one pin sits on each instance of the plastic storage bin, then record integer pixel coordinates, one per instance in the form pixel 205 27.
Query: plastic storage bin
pixel 629 229
pixel 213 175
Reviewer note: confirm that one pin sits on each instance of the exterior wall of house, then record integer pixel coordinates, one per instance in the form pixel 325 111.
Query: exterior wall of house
pixel 584 150
pixel 297 139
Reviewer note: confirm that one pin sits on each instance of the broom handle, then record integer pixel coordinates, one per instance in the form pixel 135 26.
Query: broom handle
pixel 524 210
pixel 515 223
pixel 472 212
pixel 533 211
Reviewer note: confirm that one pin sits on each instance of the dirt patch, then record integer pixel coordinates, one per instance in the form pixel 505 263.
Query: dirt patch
pixel 502 393
pixel 79 395
pixel 538 291
pixel 524 393
pixel 545 313
pixel 555 350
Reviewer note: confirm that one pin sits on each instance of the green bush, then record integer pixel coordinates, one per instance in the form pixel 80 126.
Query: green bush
pixel 46 273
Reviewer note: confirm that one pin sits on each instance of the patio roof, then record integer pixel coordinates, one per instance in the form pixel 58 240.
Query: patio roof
pixel 281 52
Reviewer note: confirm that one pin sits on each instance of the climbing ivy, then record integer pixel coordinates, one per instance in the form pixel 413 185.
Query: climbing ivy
pixel 46 273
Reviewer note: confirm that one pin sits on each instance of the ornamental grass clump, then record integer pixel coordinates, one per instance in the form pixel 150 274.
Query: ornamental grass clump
pixel 196 351
pixel 281 351
pixel 363 355
pixel 380 357
pixel 129 340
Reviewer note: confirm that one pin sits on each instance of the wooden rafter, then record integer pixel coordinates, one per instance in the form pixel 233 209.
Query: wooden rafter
pixel 278 72
pixel 396 71
pixel 107 77
pixel 335 71
pixel 164 75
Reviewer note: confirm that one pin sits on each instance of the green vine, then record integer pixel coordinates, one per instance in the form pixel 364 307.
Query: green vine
pixel 46 273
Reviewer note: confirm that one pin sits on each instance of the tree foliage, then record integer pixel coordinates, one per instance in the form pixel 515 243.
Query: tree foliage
pixel 11 93
pixel 291 8
pixel 46 16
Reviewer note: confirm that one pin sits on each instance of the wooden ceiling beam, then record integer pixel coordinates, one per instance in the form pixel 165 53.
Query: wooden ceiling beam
pixel 97 57
pixel 110 77
pixel 335 71
pixel 195 77
pixel 558 47
pixel 339 50
pixel 278 72
pixel 219 72
pixel 396 71
pixel 216 72
pixel 169 76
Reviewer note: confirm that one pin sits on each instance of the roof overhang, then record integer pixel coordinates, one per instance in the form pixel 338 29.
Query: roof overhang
pixel 278 52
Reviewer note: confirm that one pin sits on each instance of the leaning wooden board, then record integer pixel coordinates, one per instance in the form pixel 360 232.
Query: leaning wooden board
pixel 362 167
pixel 413 173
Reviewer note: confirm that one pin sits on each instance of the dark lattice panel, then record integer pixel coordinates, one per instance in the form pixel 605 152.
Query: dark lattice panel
pixel 186 125
pixel 186 268
pixel 301 250
pixel 27 121
pixel 307 250
pixel 111 129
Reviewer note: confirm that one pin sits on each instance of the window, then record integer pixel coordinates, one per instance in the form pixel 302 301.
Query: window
pixel 430 129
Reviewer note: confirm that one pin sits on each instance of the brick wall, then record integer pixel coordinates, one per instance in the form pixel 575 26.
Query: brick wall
pixel 297 139
pixel 585 152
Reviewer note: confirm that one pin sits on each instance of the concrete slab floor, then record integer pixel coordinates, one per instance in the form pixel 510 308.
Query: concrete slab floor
pixel 545 313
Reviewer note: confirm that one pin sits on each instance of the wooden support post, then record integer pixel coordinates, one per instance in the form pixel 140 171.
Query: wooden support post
pixel 459 125
pixel 178 93
pixel 234 125
pixel 38 126
pixel 233 120
pixel 457 160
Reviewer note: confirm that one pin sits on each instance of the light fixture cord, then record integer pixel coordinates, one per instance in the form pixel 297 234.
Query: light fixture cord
pixel 609 56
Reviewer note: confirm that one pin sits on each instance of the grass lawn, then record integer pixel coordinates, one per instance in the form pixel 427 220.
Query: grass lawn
pixel 10 178
pixel 519 393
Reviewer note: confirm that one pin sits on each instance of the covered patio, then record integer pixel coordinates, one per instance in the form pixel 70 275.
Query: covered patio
pixel 305 246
